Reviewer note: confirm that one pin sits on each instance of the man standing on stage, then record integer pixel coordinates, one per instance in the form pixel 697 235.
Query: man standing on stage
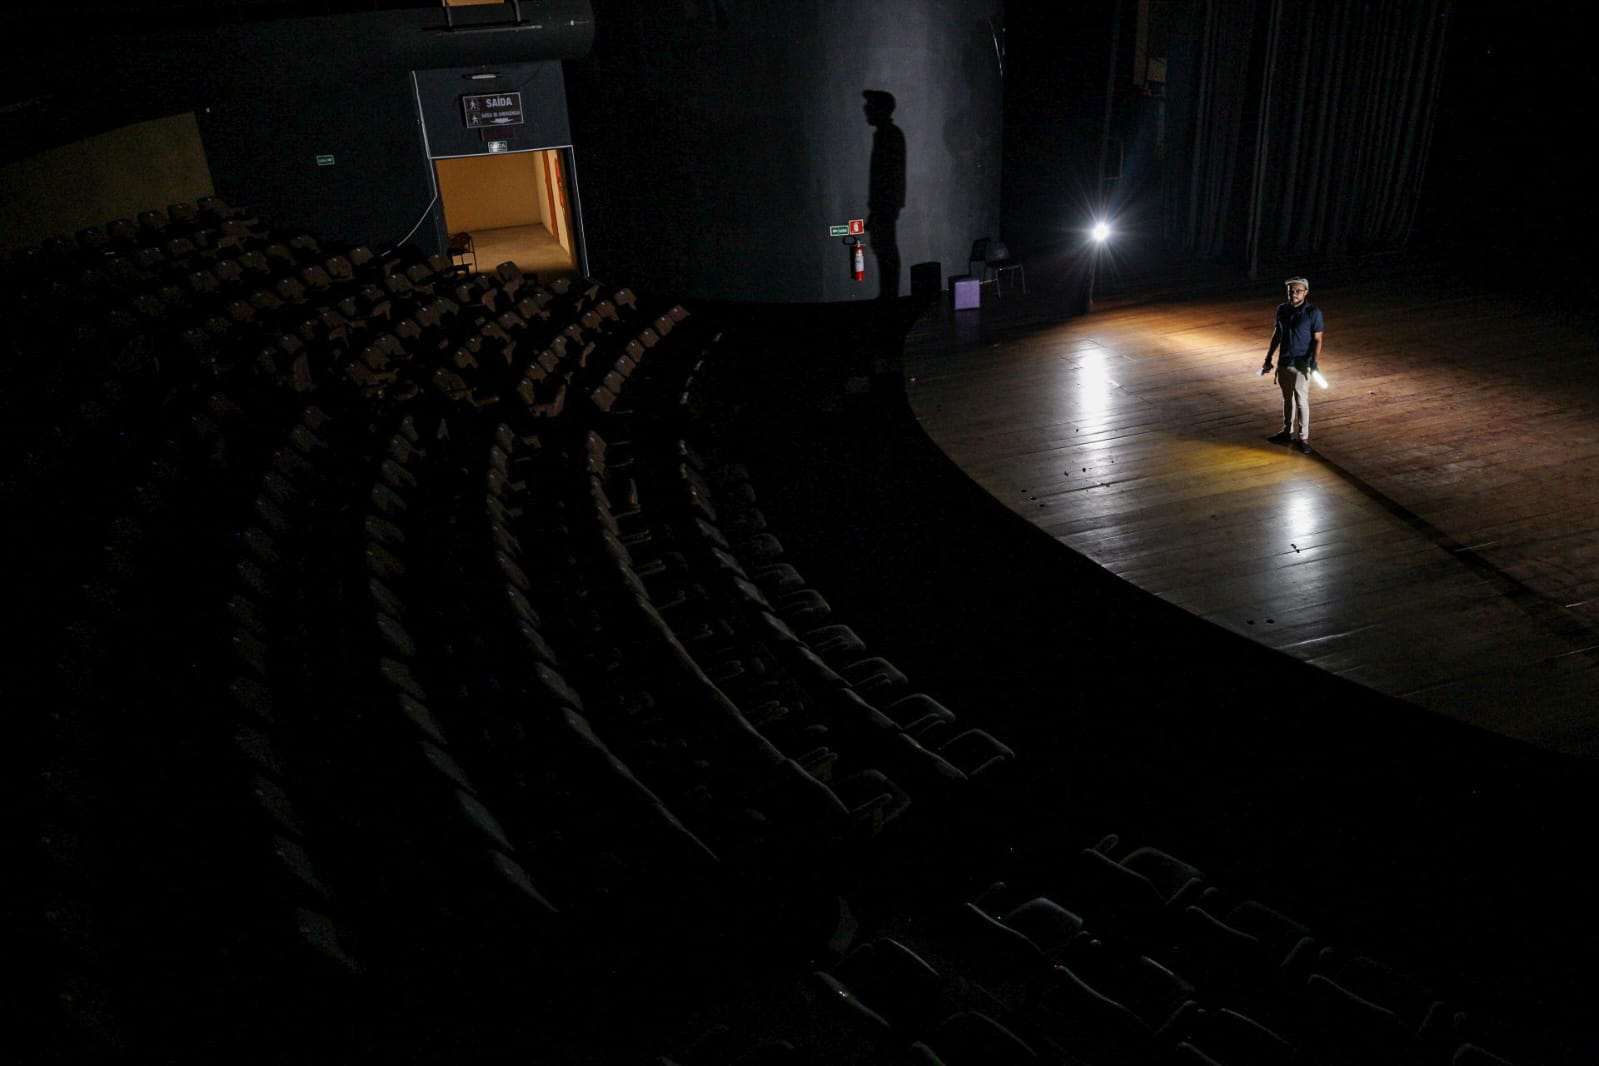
pixel 1298 331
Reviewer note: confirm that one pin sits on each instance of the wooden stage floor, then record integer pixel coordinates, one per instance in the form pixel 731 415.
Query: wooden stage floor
pixel 1441 544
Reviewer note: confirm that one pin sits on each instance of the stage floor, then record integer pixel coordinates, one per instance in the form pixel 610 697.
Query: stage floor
pixel 1440 544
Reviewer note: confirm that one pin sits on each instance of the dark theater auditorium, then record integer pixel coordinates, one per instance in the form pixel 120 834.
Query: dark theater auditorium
pixel 759 532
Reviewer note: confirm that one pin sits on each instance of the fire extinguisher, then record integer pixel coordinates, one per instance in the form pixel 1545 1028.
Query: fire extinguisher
pixel 858 259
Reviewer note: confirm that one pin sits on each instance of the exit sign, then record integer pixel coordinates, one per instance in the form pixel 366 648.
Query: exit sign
pixel 492 109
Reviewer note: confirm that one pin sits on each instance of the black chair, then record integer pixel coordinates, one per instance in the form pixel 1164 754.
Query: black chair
pixel 991 262
pixel 463 253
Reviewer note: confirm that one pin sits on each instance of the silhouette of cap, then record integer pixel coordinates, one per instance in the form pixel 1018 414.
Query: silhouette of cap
pixel 878 99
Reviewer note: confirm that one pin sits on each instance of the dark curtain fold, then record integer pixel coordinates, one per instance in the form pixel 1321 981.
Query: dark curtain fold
pixel 1309 124
pixel 1220 91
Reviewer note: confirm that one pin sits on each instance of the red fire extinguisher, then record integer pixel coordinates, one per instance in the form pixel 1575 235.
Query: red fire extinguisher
pixel 858 260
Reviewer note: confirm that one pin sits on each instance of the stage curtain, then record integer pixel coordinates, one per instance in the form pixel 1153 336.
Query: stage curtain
pixel 1308 126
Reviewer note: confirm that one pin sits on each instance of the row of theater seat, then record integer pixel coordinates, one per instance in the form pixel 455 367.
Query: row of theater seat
pixel 441 732
pixel 415 663
pixel 293 309
pixel 1115 957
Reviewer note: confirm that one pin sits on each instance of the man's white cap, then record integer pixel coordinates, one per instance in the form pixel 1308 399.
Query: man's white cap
pixel 1291 282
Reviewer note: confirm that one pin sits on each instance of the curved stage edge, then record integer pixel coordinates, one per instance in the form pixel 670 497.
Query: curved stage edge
pixel 1436 546
pixel 1353 809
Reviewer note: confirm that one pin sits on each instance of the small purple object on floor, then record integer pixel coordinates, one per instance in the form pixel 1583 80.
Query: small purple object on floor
pixel 967 292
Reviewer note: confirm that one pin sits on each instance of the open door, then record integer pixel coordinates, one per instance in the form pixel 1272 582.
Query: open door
pixel 514 206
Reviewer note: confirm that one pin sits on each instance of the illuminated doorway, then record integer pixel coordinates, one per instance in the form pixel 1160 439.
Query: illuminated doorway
pixel 517 207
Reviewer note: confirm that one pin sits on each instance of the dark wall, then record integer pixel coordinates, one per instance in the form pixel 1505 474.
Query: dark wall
pixel 271 97
pixel 263 150
pixel 1508 188
pixel 714 158
pixel 543 90
pixel 1055 82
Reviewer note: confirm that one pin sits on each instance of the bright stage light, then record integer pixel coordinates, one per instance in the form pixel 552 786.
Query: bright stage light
pixel 1101 231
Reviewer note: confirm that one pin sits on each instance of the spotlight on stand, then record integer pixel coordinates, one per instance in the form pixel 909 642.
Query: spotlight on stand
pixel 1100 233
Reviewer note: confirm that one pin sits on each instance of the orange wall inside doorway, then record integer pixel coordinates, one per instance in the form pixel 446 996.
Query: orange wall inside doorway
pixel 490 191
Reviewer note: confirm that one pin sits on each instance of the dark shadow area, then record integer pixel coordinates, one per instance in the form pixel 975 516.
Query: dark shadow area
pixel 1501 195
pixel 1548 614
pixel 885 195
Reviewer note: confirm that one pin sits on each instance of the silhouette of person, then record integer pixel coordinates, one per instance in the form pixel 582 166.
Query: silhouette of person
pixel 885 194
